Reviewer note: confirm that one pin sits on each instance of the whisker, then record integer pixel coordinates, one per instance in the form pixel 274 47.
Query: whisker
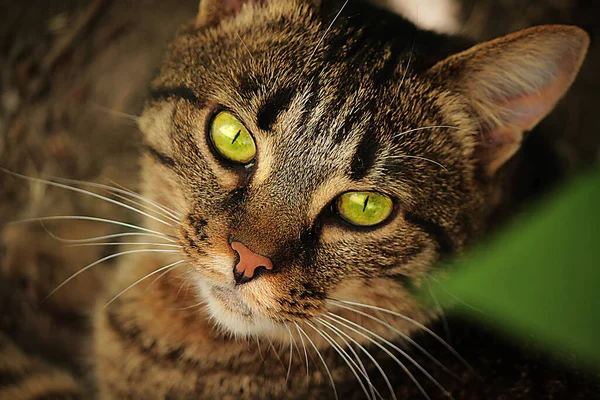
pixel 401 334
pixel 76 274
pixel 362 348
pixel 166 267
pixel 244 44
pixel 325 34
pixel 259 349
pixel 360 366
pixel 118 188
pixel 87 192
pixel 276 354
pixel 458 299
pixel 347 359
pixel 185 281
pixel 146 207
pixel 389 353
pixel 420 158
pixel 407 64
pixel 287 376
pixel 96 238
pixel 305 353
pixel 440 310
pixel 120 114
pixel 86 218
pixel 121 190
pixel 419 325
pixel 424 128
pixel 188 307
pixel 300 330
pixel 126 243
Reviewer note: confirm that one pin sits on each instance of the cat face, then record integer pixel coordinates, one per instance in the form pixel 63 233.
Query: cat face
pixel 330 116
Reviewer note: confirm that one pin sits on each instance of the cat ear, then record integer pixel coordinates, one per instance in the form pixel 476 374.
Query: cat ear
pixel 513 82
pixel 213 11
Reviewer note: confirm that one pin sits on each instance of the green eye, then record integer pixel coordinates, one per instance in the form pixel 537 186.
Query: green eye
pixel 231 138
pixel 364 208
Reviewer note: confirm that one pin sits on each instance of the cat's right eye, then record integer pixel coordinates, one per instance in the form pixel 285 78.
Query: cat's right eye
pixel 231 139
pixel 364 208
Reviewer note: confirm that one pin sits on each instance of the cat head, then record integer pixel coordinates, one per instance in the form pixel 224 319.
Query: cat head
pixel 321 154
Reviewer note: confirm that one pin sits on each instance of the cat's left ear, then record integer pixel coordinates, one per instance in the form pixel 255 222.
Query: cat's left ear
pixel 211 12
pixel 513 82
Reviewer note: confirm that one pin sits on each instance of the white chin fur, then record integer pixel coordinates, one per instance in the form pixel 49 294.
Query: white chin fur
pixel 235 318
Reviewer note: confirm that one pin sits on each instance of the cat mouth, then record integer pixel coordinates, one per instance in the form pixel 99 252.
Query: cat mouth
pixel 228 308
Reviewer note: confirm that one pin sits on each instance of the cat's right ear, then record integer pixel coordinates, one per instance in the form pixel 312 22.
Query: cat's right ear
pixel 512 83
pixel 212 12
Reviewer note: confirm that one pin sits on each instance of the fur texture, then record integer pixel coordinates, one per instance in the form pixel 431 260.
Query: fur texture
pixel 338 97
pixel 366 103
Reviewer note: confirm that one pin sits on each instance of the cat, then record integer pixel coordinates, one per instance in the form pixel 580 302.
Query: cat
pixel 306 166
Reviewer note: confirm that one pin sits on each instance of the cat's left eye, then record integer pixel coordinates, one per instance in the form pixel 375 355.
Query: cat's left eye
pixel 364 208
pixel 231 139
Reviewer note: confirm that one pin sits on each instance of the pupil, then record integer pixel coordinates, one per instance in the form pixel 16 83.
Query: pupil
pixel 236 136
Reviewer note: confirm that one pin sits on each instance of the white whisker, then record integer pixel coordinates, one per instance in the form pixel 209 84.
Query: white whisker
pixel 305 353
pixel 325 34
pixel 146 207
pixel 407 65
pixel 96 238
pixel 455 297
pixel 376 343
pixel 118 188
pixel 195 305
pixel 362 348
pixel 425 128
pixel 419 158
pixel 347 359
pixel 276 354
pixel 259 349
pixel 440 310
pixel 287 376
pixel 166 267
pixel 401 334
pixel 87 192
pixel 120 114
pixel 244 44
pixel 126 244
pixel 124 191
pixel 301 331
pixel 417 324
pixel 361 366
pixel 86 218
pixel 76 274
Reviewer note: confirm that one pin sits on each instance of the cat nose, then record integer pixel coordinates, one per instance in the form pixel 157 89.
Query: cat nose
pixel 245 270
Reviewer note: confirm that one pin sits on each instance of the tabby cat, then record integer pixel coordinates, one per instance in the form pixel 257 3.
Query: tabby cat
pixel 305 167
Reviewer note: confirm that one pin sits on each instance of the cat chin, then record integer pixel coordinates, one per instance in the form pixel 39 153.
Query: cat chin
pixel 233 317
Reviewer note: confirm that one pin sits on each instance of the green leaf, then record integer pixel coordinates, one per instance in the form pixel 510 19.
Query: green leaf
pixel 541 276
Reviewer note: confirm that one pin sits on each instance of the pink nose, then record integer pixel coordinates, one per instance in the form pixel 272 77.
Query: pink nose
pixel 249 260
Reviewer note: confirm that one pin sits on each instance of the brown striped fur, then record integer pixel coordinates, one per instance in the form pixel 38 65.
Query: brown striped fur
pixel 330 100
pixel 369 102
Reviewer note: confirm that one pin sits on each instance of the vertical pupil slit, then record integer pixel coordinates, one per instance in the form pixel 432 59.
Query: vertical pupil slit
pixel 365 203
pixel 236 136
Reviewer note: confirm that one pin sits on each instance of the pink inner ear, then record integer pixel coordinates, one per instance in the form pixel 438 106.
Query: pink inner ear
pixel 515 116
pixel 213 11
pixel 526 111
pixel 232 6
